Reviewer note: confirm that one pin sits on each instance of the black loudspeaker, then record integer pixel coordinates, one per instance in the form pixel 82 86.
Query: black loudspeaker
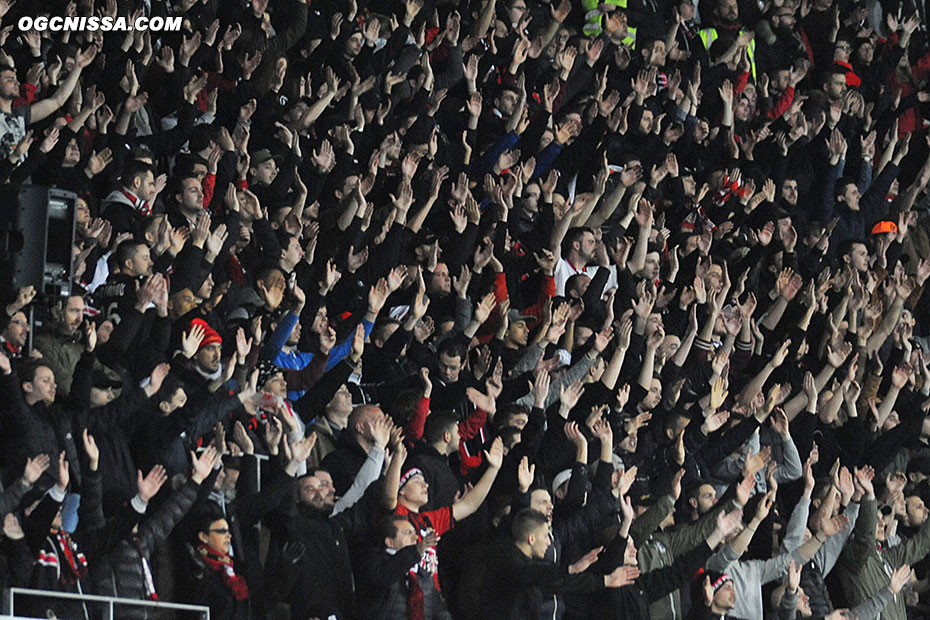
pixel 36 238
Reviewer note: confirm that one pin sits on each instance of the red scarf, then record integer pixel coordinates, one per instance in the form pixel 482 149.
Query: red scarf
pixel 234 270
pixel 141 205
pixel 13 349
pixel 223 564
pixel 76 561
pixel 416 609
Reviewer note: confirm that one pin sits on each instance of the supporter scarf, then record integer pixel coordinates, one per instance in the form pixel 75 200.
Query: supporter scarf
pixel 416 610
pixel 76 561
pixel 12 349
pixel 142 206
pixel 234 270
pixel 146 571
pixel 223 564
pixel 697 218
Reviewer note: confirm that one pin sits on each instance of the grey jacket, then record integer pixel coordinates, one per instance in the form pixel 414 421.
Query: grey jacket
pixel 750 575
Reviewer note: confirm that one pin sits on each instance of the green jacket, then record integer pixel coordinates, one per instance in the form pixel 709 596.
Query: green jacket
pixel 325 440
pixel 866 566
pixel 660 548
pixel 61 353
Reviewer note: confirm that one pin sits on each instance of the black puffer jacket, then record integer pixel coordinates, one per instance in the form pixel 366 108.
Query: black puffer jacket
pixel 122 571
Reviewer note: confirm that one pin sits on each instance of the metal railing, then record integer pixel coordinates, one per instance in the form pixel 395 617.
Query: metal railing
pixel 107 602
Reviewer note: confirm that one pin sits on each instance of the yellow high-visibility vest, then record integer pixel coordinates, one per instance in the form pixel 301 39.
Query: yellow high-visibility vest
pixel 709 35
pixel 594 19
pixel 593 27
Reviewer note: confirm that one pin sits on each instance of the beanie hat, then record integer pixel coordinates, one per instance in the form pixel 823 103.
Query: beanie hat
pixel 408 476
pixel 717 580
pixel 266 370
pixel 210 335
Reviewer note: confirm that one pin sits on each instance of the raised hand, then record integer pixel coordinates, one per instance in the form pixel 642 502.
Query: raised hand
pixel 586 560
pixel 744 489
pixel 90 336
pixel 569 395
pixel 203 464
pixel 794 575
pixel 242 439
pixel 621 576
pixel 35 467
pixel 149 485
pixel 833 525
pixel 718 393
pixel 728 523
pixel 715 421
pixel 765 505
pixel 899 579
pixel 64 474
pixel 300 450
pixel 430 540
pixel 90 448
pixel 274 432
pixel 482 401
pixel 377 296
pixel 863 477
pixel 191 339
pixel 485 307
pixel 495 456
pixel 526 473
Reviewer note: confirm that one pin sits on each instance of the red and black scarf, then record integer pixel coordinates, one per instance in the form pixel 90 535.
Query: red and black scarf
pixel 223 564
pixel 75 560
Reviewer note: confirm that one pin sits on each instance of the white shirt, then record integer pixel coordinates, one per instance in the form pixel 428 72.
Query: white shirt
pixel 564 270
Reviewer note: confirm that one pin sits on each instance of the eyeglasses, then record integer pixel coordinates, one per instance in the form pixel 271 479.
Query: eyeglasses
pixel 845 48
pixel 20 323
pixel 219 530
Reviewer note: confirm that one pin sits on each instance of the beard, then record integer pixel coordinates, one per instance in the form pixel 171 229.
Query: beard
pixel 312 512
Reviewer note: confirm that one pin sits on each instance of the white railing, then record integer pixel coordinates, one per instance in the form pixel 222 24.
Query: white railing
pixel 107 602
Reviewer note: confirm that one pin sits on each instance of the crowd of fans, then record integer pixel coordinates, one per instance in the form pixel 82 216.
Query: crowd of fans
pixel 501 309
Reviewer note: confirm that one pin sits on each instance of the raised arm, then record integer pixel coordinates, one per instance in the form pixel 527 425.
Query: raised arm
pixel 43 109
pixel 472 500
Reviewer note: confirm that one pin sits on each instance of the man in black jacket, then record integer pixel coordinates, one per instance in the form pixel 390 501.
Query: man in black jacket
pixel 389 580
pixel 431 456
pixel 34 424
pixel 319 584
pixel 519 580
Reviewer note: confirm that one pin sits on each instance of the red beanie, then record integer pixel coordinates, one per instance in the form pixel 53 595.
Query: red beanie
pixel 210 335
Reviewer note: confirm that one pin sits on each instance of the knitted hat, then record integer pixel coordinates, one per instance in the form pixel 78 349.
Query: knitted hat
pixel 717 580
pixel 266 370
pixel 210 335
pixel 409 475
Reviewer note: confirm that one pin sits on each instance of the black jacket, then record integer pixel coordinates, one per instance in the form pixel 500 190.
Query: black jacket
pixel 384 586
pixel 166 440
pixel 344 463
pixel 37 429
pixel 121 572
pixel 322 584
pixel 516 587
pixel 443 484
pixel 211 590
pixel 632 601
pixel 95 537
